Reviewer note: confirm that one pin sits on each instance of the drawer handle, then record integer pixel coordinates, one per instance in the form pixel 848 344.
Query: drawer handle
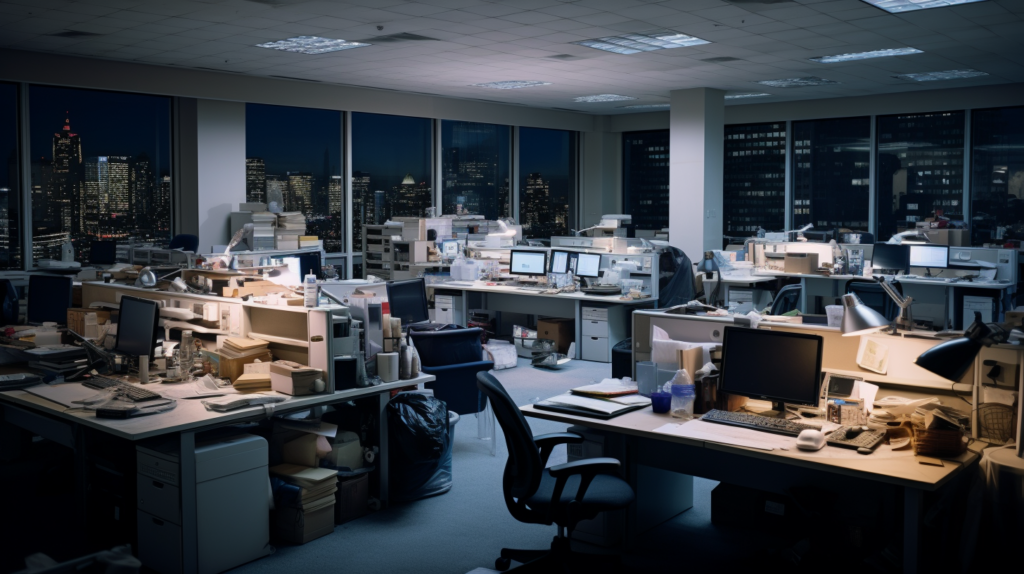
pixel 593 338
pixel 158 484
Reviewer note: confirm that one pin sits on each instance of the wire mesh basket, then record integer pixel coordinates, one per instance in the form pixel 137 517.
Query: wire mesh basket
pixel 997 422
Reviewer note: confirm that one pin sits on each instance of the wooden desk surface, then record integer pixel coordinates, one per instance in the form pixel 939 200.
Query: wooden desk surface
pixel 190 414
pixel 481 287
pixel 903 471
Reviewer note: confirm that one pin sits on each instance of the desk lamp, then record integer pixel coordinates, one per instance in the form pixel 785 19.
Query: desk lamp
pixel 859 319
pixel 910 236
pixel 951 359
pixel 799 232
pixel 709 267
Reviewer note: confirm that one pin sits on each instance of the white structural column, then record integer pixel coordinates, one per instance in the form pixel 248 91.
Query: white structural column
pixel 697 124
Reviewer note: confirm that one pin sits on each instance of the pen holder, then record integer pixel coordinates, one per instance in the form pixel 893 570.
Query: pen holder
pixel 661 402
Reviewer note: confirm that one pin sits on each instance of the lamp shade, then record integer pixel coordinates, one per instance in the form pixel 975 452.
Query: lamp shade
pixel 708 264
pixel 950 360
pixel 859 319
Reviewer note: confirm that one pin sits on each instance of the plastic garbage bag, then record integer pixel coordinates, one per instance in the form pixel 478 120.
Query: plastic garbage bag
pixel 420 446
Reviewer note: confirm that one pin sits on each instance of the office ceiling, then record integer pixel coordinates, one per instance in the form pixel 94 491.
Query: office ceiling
pixel 440 47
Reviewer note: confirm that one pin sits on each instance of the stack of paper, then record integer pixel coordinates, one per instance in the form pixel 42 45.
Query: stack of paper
pixel 252 383
pixel 309 241
pixel 606 388
pixel 308 514
pixel 263 229
pixel 290 226
pixel 243 345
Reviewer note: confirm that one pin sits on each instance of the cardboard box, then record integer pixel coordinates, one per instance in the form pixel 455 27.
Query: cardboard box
pixel 85 322
pixel 292 378
pixel 561 331
pixel 801 263
pixel 299 526
pixel 351 499
pixel 232 368
pixel 951 237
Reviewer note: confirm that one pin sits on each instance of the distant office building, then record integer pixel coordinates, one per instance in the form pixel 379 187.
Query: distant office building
pixel 754 186
pixel 645 174
pixel 5 227
pixel 408 199
pixel 360 207
pixel 162 207
pixel 535 209
pixel 335 194
pixel 300 192
pixel 997 172
pixel 831 173
pixel 255 180
pixel 475 169
pixel 48 245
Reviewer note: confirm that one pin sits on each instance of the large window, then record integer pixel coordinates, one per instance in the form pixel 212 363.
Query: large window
pixel 920 169
pixel 645 178
pixel 391 169
pixel 475 168
pixel 755 178
pixel 547 181
pixel 831 173
pixel 997 174
pixel 293 159
pixel 101 166
pixel 10 190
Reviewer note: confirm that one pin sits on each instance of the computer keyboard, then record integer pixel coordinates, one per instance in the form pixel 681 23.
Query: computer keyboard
pixel 532 288
pixel 864 441
pixel 920 278
pixel 130 391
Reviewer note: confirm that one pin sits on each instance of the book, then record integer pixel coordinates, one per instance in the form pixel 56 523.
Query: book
pixel 588 403
pixel 606 388
pixel 244 344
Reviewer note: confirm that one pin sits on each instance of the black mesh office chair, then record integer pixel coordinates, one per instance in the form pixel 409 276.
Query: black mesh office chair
pixel 564 494
pixel 787 299
pixel 872 294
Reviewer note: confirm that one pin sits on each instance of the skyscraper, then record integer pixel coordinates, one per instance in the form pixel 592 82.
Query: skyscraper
pixel 65 185
pixel 754 186
pixel 831 172
pixel 255 180
pixel 645 177
pixel 472 165
pixel 537 219
pixel 360 207
pixel 300 188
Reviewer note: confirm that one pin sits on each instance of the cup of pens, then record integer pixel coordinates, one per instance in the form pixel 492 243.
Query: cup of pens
pixel 661 401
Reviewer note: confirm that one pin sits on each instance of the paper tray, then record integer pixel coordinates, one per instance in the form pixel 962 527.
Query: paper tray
pixel 580 412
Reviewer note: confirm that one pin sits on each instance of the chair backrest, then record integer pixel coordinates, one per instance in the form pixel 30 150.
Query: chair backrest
pixel 786 299
pixel 442 348
pixel 184 241
pixel 675 281
pixel 9 300
pixel 524 467
pixel 872 294
pixel 49 297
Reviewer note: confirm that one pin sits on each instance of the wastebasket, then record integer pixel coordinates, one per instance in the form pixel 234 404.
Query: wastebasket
pixel 420 431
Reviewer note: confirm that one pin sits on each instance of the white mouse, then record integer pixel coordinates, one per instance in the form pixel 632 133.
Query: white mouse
pixel 810 439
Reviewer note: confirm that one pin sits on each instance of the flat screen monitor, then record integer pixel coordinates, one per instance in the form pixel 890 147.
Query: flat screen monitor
pixel 890 257
pixel 306 263
pixel 103 252
pixel 408 300
pixel 528 262
pixel 929 256
pixel 49 298
pixel 588 264
pixel 562 261
pixel 772 365
pixel 136 326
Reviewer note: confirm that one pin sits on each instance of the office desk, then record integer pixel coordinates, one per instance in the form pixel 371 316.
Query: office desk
pixel 515 300
pixel 53 421
pixel 769 470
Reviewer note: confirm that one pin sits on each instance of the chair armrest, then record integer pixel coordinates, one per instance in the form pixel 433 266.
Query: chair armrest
pixel 474 367
pixel 548 442
pixel 587 469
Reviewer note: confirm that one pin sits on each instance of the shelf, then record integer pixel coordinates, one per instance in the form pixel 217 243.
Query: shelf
pixel 194 328
pixel 279 340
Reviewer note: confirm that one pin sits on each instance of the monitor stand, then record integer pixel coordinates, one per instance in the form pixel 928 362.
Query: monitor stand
pixel 778 411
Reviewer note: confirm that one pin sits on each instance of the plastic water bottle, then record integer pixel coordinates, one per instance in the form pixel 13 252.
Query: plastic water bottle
pixel 310 290
pixel 683 395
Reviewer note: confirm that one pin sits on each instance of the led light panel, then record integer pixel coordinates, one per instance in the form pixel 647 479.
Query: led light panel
pixel 866 55
pixel 603 98
pixel 311 45
pixel 897 6
pixel 937 76
pixel 747 95
pixel 797 82
pixel 644 106
pixel 636 43
pixel 511 84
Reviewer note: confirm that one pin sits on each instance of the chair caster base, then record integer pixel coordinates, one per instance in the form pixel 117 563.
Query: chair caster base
pixel 502 564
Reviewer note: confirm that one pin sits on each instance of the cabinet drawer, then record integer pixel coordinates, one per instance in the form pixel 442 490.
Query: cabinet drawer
pixel 592 328
pixel 159 498
pixel 595 313
pixel 159 544
pixel 442 301
pixel 596 349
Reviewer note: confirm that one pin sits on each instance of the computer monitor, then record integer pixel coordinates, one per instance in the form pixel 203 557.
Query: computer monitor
pixel 307 263
pixel 888 257
pixel 136 326
pixel 772 365
pixel 528 262
pixel 103 252
pixel 49 298
pixel 929 256
pixel 408 300
pixel 562 261
pixel 588 264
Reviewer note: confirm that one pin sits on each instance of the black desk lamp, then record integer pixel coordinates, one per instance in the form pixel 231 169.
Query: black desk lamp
pixel 950 360
pixel 709 267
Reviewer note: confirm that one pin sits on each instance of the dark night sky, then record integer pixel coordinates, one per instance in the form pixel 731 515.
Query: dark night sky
pixel 109 123
pixel 293 139
pixel 546 152
pixel 8 130
pixel 388 147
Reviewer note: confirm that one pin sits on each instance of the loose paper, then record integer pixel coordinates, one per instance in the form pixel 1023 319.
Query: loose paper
pixel 873 355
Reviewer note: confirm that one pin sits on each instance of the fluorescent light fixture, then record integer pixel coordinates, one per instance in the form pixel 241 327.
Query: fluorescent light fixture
pixel 312 45
pixel 511 84
pixel 897 6
pixel 603 98
pixel 866 55
pixel 936 76
pixel 797 82
pixel 645 106
pixel 647 42
pixel 746 95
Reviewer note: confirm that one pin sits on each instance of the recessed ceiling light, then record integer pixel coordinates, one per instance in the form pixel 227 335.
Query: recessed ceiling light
pixel 603 98
pixel 511 84
pixel 312 45
pixel 746 95
pixel 797 82
pixel 896 6
pixel 866 55
pixel 936 76
pixel 644 106
pixel 647 42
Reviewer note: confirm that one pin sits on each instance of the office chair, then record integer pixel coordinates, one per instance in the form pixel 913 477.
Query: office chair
pixel 787 299
pixel 9 300
pixel 185 242
pixel 455 357
pixel 563 495
pixel 872 294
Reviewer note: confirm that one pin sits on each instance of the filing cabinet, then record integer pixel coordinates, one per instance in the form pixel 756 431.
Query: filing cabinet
pixel 601 328
pixel 448 309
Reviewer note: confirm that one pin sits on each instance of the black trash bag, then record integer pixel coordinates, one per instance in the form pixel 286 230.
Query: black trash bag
pixel 419 425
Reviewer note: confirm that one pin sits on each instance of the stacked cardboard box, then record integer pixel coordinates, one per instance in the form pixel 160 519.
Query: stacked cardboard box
pixel 309 513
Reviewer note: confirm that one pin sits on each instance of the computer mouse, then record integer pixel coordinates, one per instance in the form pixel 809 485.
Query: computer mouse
pixel 810 439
